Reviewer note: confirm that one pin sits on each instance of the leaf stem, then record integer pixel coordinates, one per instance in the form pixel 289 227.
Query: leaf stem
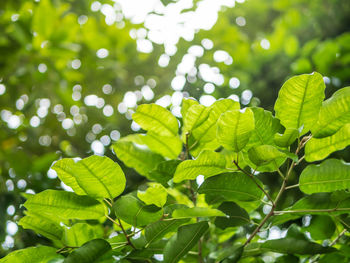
pixel 291 186
pixel 125 234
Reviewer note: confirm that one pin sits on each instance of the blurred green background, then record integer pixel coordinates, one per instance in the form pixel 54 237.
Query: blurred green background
pixel 73 72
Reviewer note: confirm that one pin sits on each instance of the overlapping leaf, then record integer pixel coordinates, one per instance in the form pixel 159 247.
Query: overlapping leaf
pixel 90 252
pixel 318 149
pixel 299 101
pixel 41 254
pixel 331 175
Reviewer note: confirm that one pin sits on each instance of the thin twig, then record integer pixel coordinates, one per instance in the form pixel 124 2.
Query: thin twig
pixel 252 177
pixel 292 186
pixel 125 234
pixel 112 220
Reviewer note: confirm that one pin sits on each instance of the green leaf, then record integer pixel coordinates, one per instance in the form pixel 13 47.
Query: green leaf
pixel 295 246
pixel 81 233
pixel 265 128
pixel 334 113
pixel 159 229
pixel 237 216
pixel 40 254
pixel 134 156
pixel 321 227
pixel 134 212
pixel 196 212
pixel 331 175
pixel 228 255
pixel 155 118
pixel 231 187
pixel 186 104
pixel 90 252
pixel 264 154
pixel 65 205
pixel 42 225
pixel 99 177
pixel 208 163
pixel 196 115
pixel 64 170
pixel 318 149
pixel 234 129
pixel 186 237
pixel 299 101
pixel 166 146
pixel 287 138
pixel 164 171
pixel 155 194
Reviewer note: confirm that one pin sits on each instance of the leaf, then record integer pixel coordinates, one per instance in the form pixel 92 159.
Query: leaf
pixel 186 237
pixel 64 170
pixel 80 233
pixel 330 175
pixel 65 205
pixel 134 212
pixel 155 118
pixel 159 229
pixel 208 163
pixel 265 128
pixel 41 254
pixel 155 194
pixel 196 115
pixel 235 128
pixel 287 138
pixel 99 177
pixel 264 154
pixel 321 227
pixel 137 157
pixel 228 255
pixel 196 212
pixel 299 101
pixel 166 146
pixel 164 171
pixel 206 132
pixel 90 252
pixel 42 225
pixel 295 246
pixel 231 187
pixel 334 113
pixel 186 104
pixel 318 149
pixel 236 216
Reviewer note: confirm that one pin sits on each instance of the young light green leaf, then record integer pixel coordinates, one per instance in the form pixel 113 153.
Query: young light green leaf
pixel 155 118
pixel 155 194
pixel 231 187
pixel 330 175
pixel 158 229
pixel 166 146
pixel 99 177
pixel 234 129
pixel 186 104
pixel 334 113
pixel 196 115
pixel 185 238
pixel 265 128
pixel 299 101
pixel 42 254
pixel 90 252
pixel 42 225
pixel 287 138
pixel 134 212
pixel 81 233
pixel 237 216
pixel 264 154
pixel 64 170
pixel 318 149
pixel 208 163
pixel 196 212
pixel 139 158
pixel 65 205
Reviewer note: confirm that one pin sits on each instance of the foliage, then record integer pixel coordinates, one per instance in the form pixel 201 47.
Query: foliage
pixel 213 206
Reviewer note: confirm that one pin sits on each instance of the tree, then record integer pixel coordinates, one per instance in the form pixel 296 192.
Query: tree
pixel 211 204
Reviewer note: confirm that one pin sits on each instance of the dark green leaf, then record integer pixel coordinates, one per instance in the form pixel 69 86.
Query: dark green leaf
pixel 90 252
pixel 237 216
